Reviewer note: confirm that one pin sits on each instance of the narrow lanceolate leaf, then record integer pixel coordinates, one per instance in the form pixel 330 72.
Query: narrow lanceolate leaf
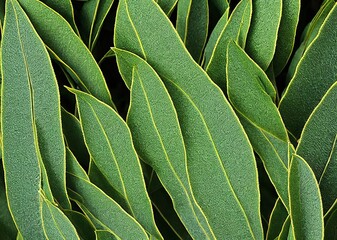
pixel 55 222
pixel 286 34
pixel 159 142
pixel 110 145
pixel 192 25
pixel 67 48
pixel 74 137
pixel 65 8
pixel 311 80
pixel 319 148
pixel 83 226
pixel 105 209
pixel 262 37
pixel 74 166
pixel 251 93
pixel 91 17
pixel 223 176
pixel 7 226
pixel 167 5
pixel 277 218
pixel 309 35
pixel 306 210
pixel 46 106
pixel 236 29
pixel 19 139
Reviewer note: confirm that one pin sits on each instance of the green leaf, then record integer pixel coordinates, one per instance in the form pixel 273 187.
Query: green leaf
pixel 55 223
pixel 221 5
pixel 105 235
pixel 74 167
pixel 65 8
pixel 307 87
pixel 99 204
pixel 285 229
pixel 192 25
pixel 262 36
pixel 22 55
pixel 286 34
pixel 74 137
pixel 277 218
pixel 7 226
pixel 67 48
pixel 306 210
pixel 249 90
pixel 46 106
pixel 159 142
pixel 115 156
pixel 330 231
pixel 82 224
pixel 167 5
pixel 318 147
pixel 236 29
pixel 309 34
pixel 92 15
pixel 219 170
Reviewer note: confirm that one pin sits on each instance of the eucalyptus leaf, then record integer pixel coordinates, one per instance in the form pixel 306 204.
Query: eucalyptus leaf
pixel 218 168
pixel 311 81
pixel 277 218
pixel 167 5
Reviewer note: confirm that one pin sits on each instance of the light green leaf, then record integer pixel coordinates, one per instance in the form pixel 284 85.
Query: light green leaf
pixel 318 147
pixel 311 80
pixel 249 91
pixel 167 5
pixel 82 224
pixel 22 50
pixel 110 145
pixel 219 170
pixel 306 210
pixel 67 48
pixel 236 29
pixel 99 204
pixel 46 107
pixel 262 36
pixel 55 223
pixel 277 218
pixel 74 137
pixel 65 8
pixel 92 15
pixel 159 142
pixel 286 34
pixel 192 25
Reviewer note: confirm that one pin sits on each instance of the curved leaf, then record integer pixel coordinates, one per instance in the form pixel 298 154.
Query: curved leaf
pixel 105 235
pixel 277 218
pixel 19 138
pixel 311 80
pixel 109 143
pixel 82 224
pixel 159 142
pixel 286 34
pixel 262 36
pixel 306 210
pixel 99 204
pixel 67 47
pixel 318 147
pixel 249 91
pixel 331 227
pixel 236 29
pixel 223 176
pixel 167 5
pixel 192 25
pixel 55 223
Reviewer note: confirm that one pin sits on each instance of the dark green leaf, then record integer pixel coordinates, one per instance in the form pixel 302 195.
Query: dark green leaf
pixel 277 218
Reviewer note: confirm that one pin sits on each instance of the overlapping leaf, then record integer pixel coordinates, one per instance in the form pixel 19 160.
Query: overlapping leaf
pixel 218 168
pixel 115 156
pixel 67 48
pixel 311 80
